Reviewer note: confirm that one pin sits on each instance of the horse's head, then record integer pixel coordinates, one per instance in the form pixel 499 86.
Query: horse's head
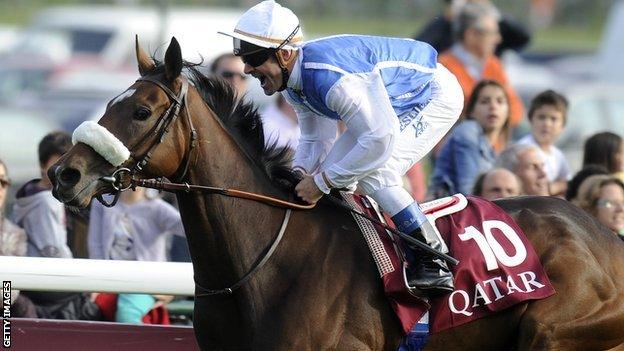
pixel 145 130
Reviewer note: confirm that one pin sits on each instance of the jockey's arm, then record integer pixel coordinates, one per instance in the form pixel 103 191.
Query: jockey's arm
pixel 363 105
pixel 317 137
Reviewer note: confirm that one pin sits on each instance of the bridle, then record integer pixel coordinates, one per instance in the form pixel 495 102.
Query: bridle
pixel 161 128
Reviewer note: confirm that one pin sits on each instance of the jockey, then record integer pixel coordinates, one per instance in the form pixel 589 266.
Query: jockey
pixel 394 99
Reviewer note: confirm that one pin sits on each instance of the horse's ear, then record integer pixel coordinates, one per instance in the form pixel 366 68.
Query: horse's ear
pixel 145 62
pixel 173 60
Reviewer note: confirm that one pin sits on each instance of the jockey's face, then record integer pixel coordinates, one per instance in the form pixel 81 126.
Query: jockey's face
pixel 268 73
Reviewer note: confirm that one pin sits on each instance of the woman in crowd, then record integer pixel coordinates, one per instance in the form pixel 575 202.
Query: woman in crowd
pixel 13 243
pixel 470 149
pixel 603 197
pixel 605 149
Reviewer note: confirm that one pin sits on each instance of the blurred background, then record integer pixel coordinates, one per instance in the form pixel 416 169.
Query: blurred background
pixel 61 61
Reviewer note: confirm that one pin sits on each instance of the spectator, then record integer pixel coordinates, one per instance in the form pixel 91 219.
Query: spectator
pixel 13 243
pixel 12 237
pixel 577 180
pixel 605 149
pixel 37 211
pixel 472 58
pixel 527 163
pixel 231 68
pixel 469 150
pixel 497 183
pixel 135 229
pixel 439 31
pixel 415 182
pixel 280 124
pixel 603 197
pixel 547 115
pixel 43 218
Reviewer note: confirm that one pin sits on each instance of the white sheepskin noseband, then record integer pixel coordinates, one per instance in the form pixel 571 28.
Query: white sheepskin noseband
pixel 102 141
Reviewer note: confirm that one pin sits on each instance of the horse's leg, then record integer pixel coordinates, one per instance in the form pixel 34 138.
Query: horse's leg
pixel 212 324
pixel 587 312
pixel 553 324
pixel 491 333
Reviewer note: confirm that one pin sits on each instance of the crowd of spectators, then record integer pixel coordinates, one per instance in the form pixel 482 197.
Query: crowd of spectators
pixel 139 227
pixel 478 157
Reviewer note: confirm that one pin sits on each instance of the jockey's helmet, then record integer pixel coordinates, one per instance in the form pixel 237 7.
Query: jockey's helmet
pixel 268 25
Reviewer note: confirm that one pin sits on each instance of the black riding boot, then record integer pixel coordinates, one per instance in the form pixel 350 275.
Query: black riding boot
pixel 428 275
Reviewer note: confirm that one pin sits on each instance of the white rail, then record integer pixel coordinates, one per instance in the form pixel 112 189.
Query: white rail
pixel 57 274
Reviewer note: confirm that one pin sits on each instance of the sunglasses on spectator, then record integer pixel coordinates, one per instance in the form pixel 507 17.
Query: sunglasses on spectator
pixel 5 183
pixel 231 74
pixel 609 204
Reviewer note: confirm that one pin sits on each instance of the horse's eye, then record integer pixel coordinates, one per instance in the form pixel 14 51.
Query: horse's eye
pixel 142 113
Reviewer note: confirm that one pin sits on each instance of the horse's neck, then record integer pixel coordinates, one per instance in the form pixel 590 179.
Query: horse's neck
pixel 226 235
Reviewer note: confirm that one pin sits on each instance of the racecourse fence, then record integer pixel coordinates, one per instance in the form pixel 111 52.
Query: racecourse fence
pixel 81 275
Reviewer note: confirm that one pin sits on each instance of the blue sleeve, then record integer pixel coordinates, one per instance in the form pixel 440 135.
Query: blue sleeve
pixel 466 158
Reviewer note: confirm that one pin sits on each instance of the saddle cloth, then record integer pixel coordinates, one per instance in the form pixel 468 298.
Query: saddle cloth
pixel 498 266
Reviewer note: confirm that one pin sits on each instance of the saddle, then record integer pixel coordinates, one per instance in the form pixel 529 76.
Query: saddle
pixel 433 210
pixel 498 266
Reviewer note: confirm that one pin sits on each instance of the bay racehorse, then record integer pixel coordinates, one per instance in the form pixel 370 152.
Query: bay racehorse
pixel 320 290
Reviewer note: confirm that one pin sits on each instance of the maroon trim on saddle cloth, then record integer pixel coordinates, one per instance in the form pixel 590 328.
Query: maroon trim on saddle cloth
pixel 511 274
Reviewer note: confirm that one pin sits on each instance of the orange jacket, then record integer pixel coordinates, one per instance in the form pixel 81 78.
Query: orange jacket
pixel 493 70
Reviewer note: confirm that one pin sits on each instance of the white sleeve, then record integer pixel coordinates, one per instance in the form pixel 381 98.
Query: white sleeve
pixel 318 134
pixel 364 106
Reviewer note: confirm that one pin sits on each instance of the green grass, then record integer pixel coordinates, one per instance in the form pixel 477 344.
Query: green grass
pixel 567 38
pixel 381 26
pixel 559 38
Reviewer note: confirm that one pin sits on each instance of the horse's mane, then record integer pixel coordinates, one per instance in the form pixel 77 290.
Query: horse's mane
pixel 244 123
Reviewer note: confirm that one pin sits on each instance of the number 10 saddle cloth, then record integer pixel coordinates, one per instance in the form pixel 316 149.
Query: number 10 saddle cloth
pixel 498 266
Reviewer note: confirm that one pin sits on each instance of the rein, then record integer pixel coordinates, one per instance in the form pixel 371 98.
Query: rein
pixel 160 184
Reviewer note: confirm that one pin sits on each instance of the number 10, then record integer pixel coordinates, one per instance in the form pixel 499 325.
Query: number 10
pixel 491 249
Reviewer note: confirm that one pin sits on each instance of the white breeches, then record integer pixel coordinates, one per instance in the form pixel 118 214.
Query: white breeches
pixel 385 184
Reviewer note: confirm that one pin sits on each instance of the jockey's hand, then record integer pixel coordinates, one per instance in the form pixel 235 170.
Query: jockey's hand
pixel 307 190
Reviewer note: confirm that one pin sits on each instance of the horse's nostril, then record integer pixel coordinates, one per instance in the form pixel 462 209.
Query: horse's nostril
pixel 69 177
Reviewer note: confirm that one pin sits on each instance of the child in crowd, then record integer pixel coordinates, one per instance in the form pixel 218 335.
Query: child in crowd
pixel 37 211
pixel 136 228
pixel 547 115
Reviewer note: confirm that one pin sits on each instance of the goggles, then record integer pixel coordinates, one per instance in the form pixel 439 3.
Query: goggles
pixel 255 55
pixel 257 58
